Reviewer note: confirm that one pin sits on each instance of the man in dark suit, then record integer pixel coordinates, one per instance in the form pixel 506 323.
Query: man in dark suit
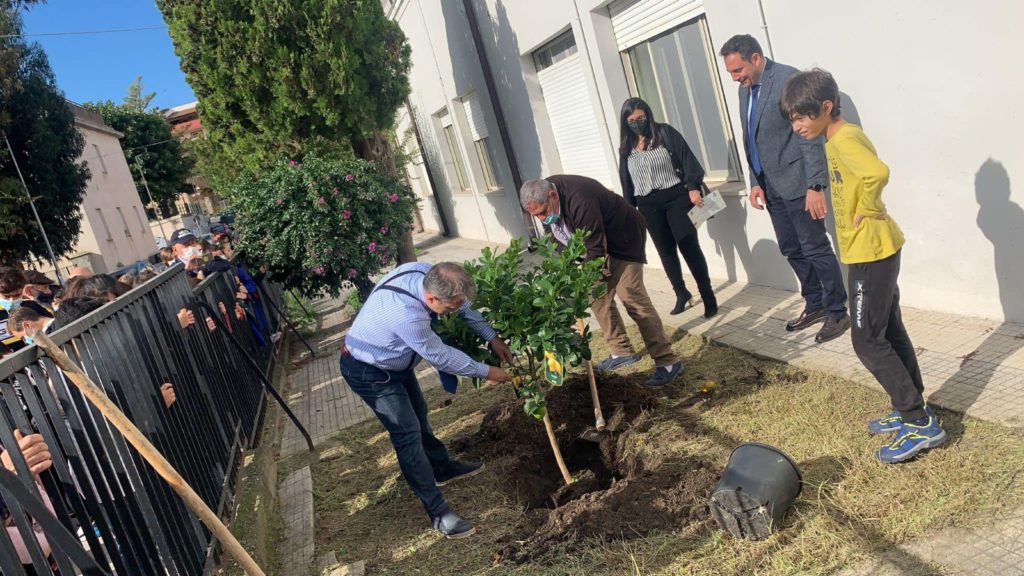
pixel 788 175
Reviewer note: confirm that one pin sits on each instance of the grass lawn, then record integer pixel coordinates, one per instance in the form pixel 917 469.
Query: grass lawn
pixel 851 506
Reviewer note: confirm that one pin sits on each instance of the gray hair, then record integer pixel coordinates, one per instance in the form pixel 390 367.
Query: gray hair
pixel 535 191
pixel 449 281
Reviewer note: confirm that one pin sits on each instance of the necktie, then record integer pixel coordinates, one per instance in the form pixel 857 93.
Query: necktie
pixel 755 159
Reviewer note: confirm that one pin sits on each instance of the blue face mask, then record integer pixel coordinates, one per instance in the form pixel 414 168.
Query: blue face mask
pixel 27 339
pixel 10 304
pixel 550 219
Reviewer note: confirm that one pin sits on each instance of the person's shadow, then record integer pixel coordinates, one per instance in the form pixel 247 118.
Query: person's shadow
pixel 1001 221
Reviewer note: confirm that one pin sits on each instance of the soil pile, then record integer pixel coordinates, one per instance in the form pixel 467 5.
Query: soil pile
pixel 617 495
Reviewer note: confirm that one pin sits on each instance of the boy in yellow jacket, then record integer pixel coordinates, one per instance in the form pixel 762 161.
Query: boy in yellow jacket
pixel 870 243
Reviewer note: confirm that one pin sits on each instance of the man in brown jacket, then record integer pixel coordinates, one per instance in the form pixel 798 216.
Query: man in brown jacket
pixel 567 203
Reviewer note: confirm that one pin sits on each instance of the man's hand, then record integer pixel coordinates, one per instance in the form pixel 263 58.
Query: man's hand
pixel 501 349
pixel 186 318
pixel 210 324
pixel 815 204
pixel 757 198
pixel 167 391
pixel 495 374
pixel 696 198
pixel 34 450
pixel 858 218
pixel 239 312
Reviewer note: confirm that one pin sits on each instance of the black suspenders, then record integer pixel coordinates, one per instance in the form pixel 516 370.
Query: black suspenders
pixel 405 292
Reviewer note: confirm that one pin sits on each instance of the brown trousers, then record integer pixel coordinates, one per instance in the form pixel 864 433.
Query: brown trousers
pixel 627 282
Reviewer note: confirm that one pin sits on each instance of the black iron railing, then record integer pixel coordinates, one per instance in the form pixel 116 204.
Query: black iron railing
pixel 105 498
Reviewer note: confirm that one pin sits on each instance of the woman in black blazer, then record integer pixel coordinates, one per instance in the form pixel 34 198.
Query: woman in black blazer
pixel 663 179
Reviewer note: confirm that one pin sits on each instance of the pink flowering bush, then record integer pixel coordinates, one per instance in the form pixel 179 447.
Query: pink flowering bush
pixel 322 225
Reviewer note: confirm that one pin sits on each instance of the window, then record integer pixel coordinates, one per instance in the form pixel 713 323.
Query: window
pixel 124 222
pixel 99 156
pixel 478 131
pixel 555 51
pixel 453 150
pixel 138 216
pixel 675 74
pixel 106 227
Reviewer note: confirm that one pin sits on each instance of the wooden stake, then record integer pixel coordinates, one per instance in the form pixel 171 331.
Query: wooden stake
pixel 554 448
pixel 598 416
pixel 149 452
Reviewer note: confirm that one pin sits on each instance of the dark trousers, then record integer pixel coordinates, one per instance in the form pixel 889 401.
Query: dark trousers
pixel 879 337
pixel 803 241
pixel 396 399
pixel 665 212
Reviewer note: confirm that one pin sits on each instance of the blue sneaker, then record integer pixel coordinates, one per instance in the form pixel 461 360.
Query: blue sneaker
pixel 892 422
pixel 912 439
pixel 664 375
pixel 612 363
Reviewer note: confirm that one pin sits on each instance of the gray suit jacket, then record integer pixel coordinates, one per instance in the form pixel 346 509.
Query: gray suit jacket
pixel 791 163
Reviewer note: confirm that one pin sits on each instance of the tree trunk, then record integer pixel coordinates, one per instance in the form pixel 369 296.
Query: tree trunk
pixel 377 149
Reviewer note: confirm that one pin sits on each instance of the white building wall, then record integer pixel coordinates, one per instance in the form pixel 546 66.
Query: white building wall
pixel 445 69
pixel 111 187
pixel 932 82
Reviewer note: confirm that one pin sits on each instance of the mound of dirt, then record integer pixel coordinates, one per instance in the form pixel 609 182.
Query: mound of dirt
pixel 616 495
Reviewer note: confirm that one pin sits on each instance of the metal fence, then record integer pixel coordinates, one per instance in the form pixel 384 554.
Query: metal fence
pixel 112 508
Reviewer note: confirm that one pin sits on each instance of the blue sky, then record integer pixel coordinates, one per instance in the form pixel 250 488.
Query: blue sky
pixel 101 66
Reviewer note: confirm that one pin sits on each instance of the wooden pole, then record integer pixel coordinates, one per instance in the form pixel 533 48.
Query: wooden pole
pixel 554 448
pixel 598 416
pixel 149 452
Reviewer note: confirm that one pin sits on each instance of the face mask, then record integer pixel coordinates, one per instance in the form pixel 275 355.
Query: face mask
pixel 10 304
pixel 192 252
pixel 44 297
pixel 28 339
pixel 550 219
pixel 638 126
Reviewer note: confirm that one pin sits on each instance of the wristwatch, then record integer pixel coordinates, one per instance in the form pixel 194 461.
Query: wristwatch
pixel 817 187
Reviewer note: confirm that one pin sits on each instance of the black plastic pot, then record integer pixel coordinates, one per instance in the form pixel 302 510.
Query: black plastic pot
pixel 757 487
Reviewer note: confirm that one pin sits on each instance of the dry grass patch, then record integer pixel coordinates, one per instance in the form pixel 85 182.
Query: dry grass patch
pixel 851 507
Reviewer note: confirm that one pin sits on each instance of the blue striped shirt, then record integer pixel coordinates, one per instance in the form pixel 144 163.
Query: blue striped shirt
pixel 392 331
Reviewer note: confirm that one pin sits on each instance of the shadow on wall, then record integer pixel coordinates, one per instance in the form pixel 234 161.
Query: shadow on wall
pixel 502 51
pixel 764 264
pixel 1001 221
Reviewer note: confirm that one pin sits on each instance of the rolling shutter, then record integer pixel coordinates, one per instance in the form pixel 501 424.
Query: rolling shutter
pixel 574 120
pixel 637 20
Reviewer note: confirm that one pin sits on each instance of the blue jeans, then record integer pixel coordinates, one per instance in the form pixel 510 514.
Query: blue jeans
pixel 803 241
pixel 396 399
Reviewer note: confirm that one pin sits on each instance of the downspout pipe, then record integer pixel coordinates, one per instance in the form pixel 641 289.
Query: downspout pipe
pixel 499 113
pixel 764 28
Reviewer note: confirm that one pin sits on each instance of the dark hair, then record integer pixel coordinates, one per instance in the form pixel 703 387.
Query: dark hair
pixel 12 281
pixel 20 315
pixel 628 138
pixel 805 92
pixel 74 308
pixel 743 44
pixel 100 286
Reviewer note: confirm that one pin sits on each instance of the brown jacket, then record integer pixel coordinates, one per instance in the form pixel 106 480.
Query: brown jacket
pixel 616 228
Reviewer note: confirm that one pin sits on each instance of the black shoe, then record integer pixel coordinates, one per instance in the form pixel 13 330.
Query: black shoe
pixel 664 375
pixel 684 300
pixel 710 305
pixel 452 525
pixel 807 318
pixel 458 470
pixel 832 329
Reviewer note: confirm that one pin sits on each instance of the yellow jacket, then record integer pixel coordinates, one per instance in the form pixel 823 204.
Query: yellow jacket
pixel 857 177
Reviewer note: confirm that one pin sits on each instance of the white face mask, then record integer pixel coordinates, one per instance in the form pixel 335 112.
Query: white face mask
pixel 192 252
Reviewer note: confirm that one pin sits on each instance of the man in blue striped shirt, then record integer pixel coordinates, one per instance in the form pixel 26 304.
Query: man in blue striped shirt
pixel 387 339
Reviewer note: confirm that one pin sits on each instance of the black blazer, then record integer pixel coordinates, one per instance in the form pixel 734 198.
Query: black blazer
pixel 685 163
